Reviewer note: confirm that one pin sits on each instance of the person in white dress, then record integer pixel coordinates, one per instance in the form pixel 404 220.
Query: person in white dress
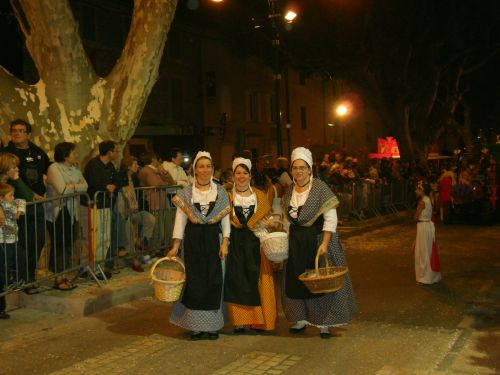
pixel 425 240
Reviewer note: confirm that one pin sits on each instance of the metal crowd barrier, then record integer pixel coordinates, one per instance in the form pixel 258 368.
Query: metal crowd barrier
pixel 363 199
pixel 73 234
pixel 49 243
pixel 118 230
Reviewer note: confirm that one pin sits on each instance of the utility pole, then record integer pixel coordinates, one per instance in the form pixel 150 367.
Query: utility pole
pixel 274 16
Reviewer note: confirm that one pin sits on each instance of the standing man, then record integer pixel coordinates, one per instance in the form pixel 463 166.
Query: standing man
pixel 33 161
pixel 173 167
pixel 33 165
pixel 101 177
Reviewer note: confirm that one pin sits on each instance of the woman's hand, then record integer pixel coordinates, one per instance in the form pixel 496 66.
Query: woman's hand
pixel 37 197
pixel 175 248
pixel 173 252
pixel 322 249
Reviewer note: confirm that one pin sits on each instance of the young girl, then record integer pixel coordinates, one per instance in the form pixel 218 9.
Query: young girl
pixel 8 240
pixel 425 242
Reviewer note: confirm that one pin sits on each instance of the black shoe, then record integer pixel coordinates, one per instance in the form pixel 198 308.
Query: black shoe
pixel 4 315
pixel 239 331
pixel 213 335
pixel 297 330
pixel 31 290
pixel 325 335
pixel 197 336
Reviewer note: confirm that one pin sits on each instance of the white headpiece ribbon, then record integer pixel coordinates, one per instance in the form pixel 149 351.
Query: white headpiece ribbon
pixel 237 161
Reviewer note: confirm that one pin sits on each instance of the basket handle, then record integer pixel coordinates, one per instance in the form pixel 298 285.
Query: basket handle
pixel 174 259
pixel 316 262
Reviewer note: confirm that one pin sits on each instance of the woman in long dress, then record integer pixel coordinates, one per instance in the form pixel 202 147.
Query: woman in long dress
pixel 309 205
pixel 425 243
pixel 249 283
pixel 202 210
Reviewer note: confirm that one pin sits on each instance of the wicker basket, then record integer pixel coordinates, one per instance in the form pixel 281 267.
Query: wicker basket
pixel 275 246
pixel 324 280
pixel 168 280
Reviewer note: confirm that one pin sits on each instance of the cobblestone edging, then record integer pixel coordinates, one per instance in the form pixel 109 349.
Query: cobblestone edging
pixel 120 360
pixel 259 363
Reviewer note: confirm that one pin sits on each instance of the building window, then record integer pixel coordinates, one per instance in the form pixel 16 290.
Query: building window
pixel 303 117
pixel 252 107
pixel 269 106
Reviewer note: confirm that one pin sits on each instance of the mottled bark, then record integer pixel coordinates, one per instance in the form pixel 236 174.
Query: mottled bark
pixel 70 102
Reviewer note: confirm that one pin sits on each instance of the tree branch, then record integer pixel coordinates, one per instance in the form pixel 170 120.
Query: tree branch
pixel 136 71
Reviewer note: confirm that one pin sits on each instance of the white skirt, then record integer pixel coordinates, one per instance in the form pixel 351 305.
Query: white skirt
pixel 423 251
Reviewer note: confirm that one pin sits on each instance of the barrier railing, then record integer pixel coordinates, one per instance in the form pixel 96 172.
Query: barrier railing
pixel 139 225
pixel 48 243
pixel 362 199
pixel 73 234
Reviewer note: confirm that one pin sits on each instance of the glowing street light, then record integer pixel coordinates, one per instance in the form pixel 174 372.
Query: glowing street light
pixel 290 16
pixel 342 110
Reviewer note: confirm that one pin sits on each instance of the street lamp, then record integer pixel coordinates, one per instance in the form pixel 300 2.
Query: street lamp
pixel 274 16
pixel 342 110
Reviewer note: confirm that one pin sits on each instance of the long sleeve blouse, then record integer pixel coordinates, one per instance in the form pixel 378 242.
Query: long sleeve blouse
pixel 59 176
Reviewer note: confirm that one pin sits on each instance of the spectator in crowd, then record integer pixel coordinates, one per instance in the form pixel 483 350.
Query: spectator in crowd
pixel 259 174
pixel 133 212
pixel 153 175
pixel 310 210
pixel 467 174
pixel 284 177
pixel 174 167
pixel 33 161
pixel 227 179
pixel 11 256
pixel 30 239
pixel 324 168
pixel 217 178
pixel 101 177
pixel 33 166
pixel 202 213
pixel 249 283
pixel 62 215
pixel 446 182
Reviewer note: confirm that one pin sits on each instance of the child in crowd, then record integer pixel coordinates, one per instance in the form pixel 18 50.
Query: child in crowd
pixel 8 240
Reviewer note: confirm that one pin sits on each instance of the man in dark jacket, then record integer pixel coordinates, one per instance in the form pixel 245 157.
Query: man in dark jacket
pixel 33 161
pixel 102 178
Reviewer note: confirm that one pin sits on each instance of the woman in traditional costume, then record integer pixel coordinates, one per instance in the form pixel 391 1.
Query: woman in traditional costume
pixel 309 205
pixel 249 283
pixel 426 257
pixel 202 213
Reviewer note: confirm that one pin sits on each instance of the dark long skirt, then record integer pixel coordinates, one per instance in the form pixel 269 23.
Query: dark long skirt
pixel 241 284
pixel 204 279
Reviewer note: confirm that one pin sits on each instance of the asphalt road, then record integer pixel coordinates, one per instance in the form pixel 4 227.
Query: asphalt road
pixel 401 327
